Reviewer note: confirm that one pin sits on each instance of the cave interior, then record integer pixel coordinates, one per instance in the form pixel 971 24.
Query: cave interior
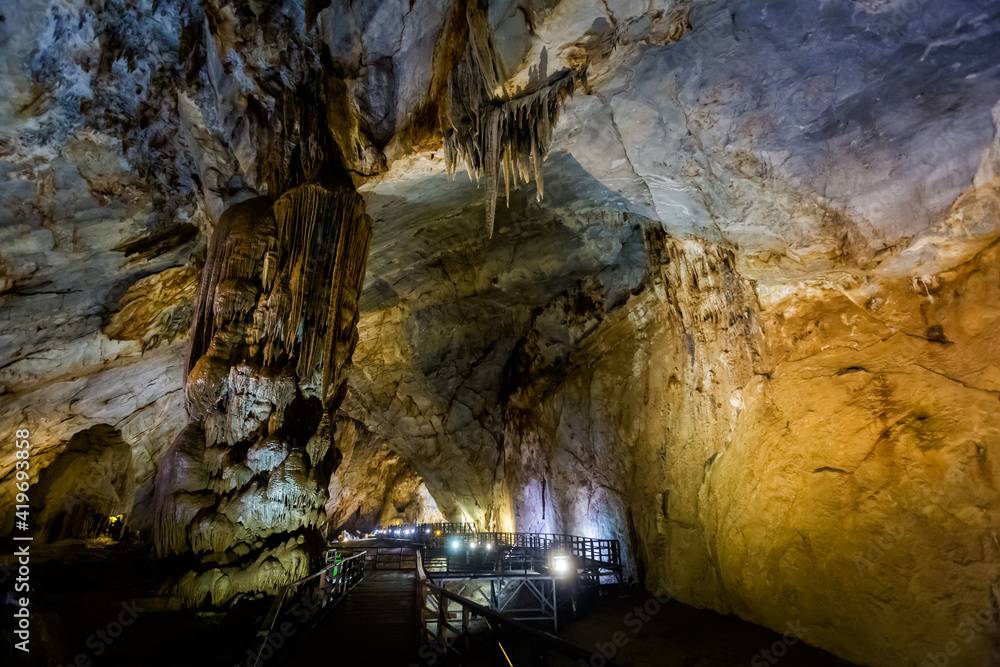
pixel 715 281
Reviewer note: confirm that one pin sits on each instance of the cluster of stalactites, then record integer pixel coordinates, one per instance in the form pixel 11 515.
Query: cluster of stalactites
pixel 241 237
pixel 323 241
pixel 280 286
pixel 492 133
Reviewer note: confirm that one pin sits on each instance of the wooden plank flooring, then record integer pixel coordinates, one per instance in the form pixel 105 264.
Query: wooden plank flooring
pixel 374 625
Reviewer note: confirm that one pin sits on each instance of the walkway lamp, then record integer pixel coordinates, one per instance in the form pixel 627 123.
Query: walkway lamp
pixel 560 564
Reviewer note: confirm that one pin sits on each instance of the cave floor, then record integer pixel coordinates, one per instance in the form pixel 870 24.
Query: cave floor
pixel 97 603
pixel 677 635
pixel 80 588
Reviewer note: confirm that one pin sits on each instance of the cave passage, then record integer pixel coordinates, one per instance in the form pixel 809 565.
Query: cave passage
pixel 507 332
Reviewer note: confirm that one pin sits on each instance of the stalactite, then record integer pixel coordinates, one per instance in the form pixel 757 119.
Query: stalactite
pixel 697 283
pixel 324 238
pixel 235 477
pixel 319 444
pixel 275 325
pixel 207 382
pixel 216 459
pixel 233 297
pixel 212 533
pixel 216 422
pixel 267 453
pixel 493 133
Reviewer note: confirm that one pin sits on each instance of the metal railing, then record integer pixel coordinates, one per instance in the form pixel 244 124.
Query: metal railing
pixel 316 593
pixel 455 626
pixel 607 552
pixel 381 558
pixel 603 551
pixel 411 531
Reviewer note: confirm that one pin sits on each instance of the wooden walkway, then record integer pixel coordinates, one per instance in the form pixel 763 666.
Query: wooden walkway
pixel 375 624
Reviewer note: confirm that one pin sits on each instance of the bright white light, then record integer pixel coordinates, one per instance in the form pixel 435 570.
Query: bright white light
pixel 560 565
pixel 455 544
pixel 428 531
pixel 489 546
pixel 473 546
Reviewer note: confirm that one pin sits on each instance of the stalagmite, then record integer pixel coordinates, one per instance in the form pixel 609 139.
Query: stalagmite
pixel 274 327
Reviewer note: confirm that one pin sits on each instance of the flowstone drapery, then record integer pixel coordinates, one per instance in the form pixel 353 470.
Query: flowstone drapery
pixel 243 487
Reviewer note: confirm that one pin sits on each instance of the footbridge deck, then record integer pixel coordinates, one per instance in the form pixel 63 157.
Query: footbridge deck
pixel 459 548
pixel 432 593
pixel 376 624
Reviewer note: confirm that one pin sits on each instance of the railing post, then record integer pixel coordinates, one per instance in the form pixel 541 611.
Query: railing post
pixel 466 642
pixel 424 633
pixel 442 633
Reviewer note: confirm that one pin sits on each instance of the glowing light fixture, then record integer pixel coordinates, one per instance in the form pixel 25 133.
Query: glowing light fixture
pixel 488 546
pixel 560 564
pixel 455 544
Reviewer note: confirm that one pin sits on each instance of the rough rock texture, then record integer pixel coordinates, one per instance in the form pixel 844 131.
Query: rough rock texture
pixel 743 361
pixel 373 486
pixel 748 330
pixel 91 481
pixel 275 324
pixel 96 202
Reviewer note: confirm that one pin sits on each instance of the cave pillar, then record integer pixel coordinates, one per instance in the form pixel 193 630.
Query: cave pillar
pixel 242 489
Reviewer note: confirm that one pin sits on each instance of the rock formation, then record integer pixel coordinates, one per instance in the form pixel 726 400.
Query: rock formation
pixel 88 490
pixel 748 330
pixel 373 486
pixel 491 132
pixel 275 324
